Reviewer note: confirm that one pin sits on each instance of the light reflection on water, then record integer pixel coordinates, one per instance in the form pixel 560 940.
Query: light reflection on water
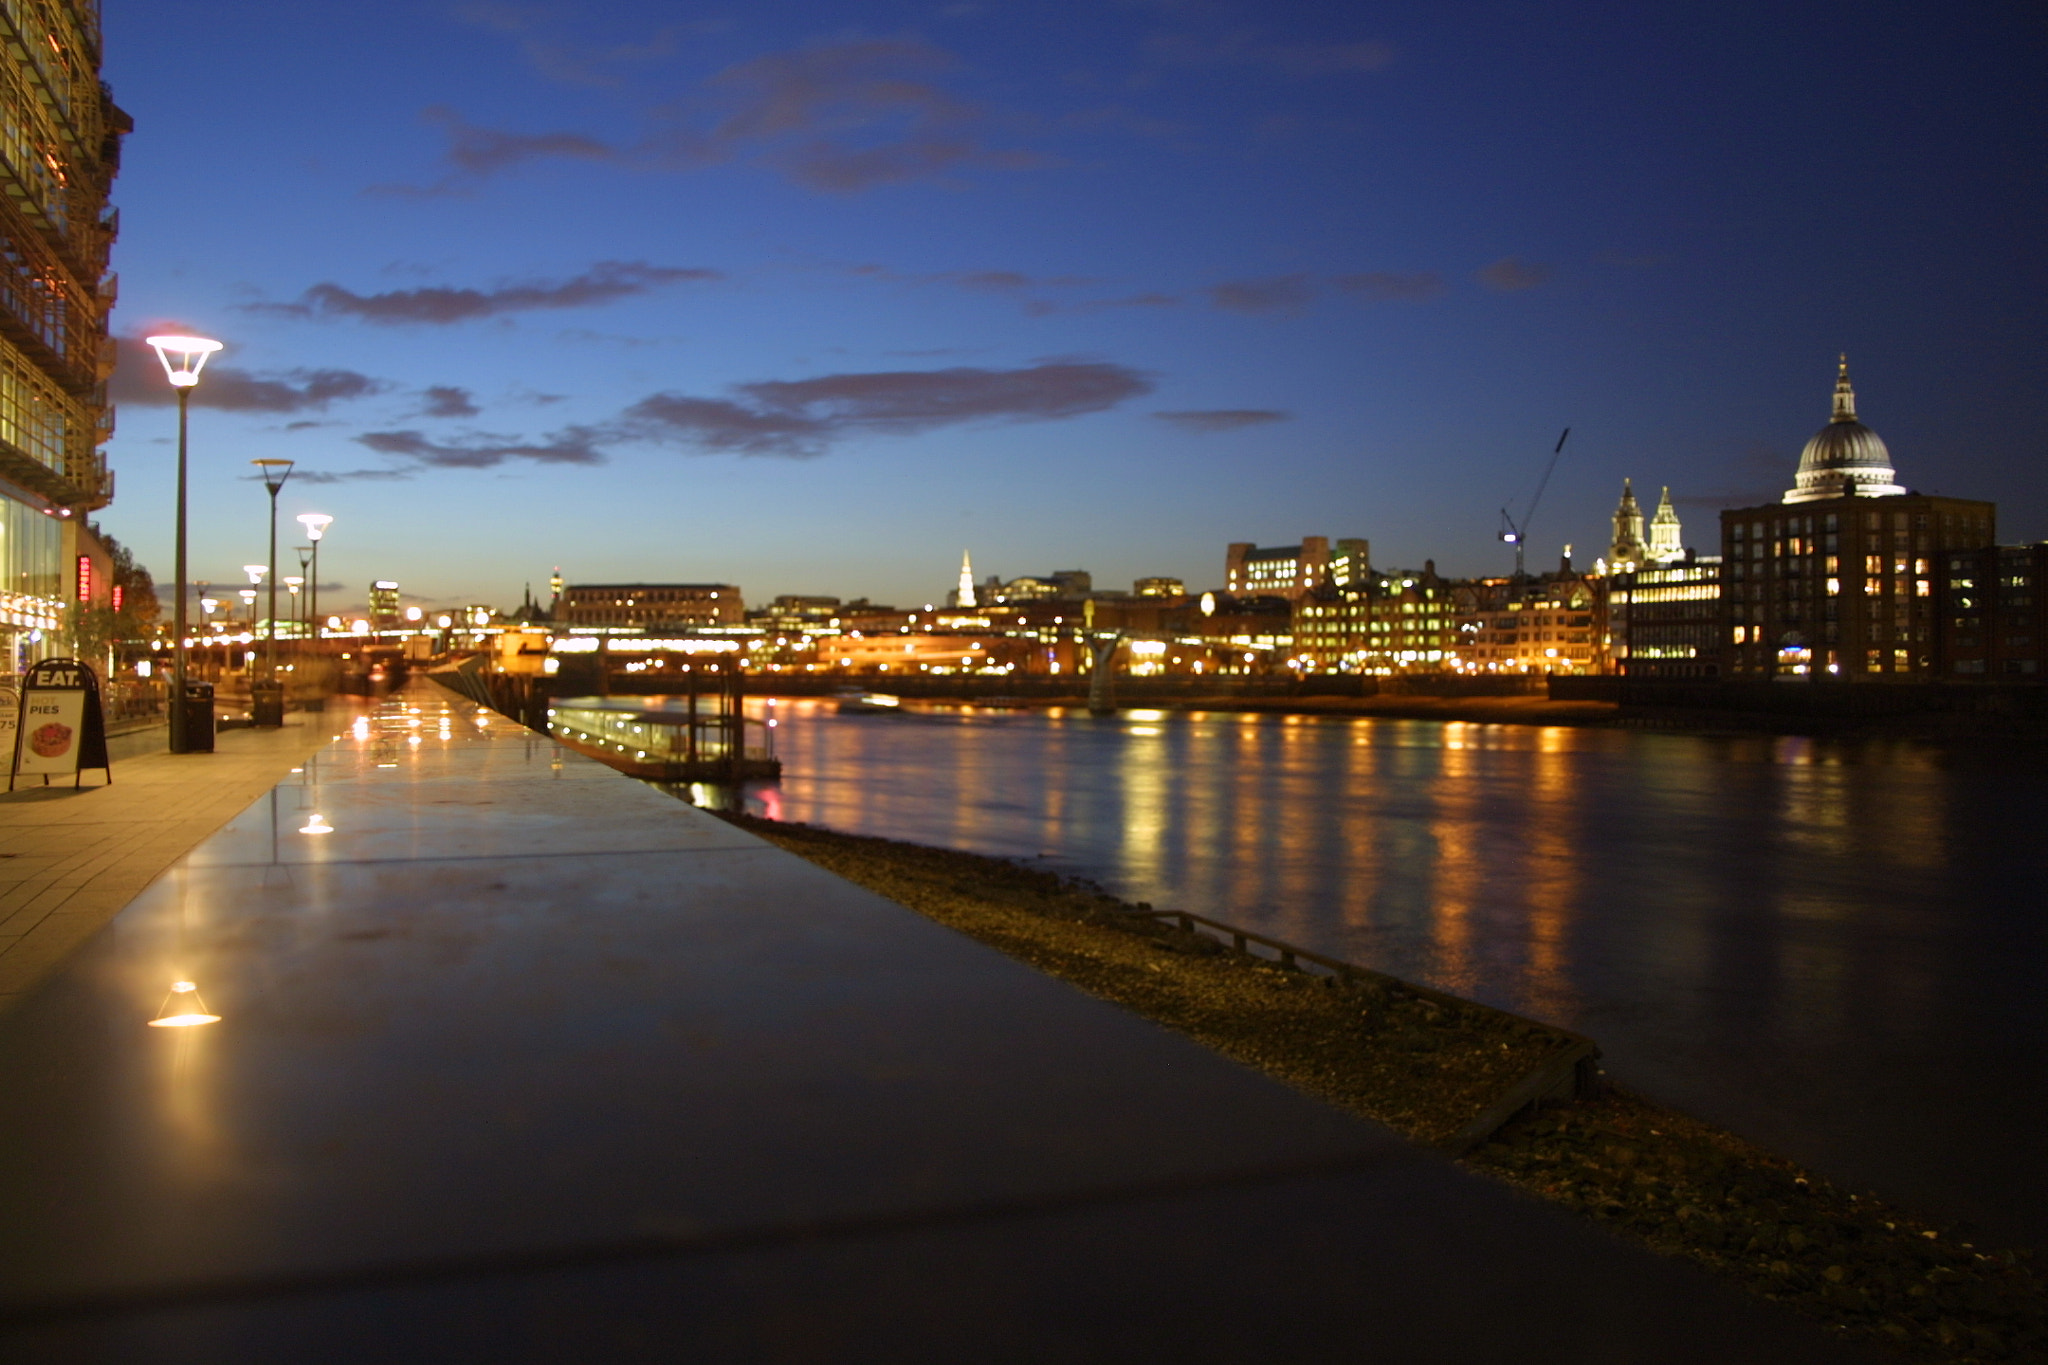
pixel 1835 948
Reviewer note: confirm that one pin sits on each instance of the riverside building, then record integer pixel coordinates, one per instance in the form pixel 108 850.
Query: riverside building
pixel 1838 578
pixel 1294 571
pixel 655 607
pixel 58 155
pixel 1994 614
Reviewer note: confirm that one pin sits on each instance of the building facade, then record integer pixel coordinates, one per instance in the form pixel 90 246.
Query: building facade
pixel 60 140
pixel 1993 614
pixel 1838 578
pixel 1664 620
pixel 1555 623
pixel 1398 622
pixel 652 606
pixel 1294 571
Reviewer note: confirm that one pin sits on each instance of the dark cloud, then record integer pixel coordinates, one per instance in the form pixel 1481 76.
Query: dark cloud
pixel 717 424
pixel 324 476
pixel 1244 48
pixel 836 117
pixel 1222 419
pixel 604 282
pixel 1277 294
pixel 139 379
pixel 1380 286
pixel 446 400
pixel 803 417
pixel 482 151
pixel 1512 274
pixel 572 445
pixel 572 62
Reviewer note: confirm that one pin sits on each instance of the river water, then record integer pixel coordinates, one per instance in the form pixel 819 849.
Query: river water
pixel 1834 948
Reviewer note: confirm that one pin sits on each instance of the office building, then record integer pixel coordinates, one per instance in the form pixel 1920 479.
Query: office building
pixel 1838 578
pixel 59 158
pixel 652 606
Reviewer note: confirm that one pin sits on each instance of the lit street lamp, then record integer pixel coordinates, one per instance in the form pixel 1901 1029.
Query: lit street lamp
pixel 271 712
pixel 183 358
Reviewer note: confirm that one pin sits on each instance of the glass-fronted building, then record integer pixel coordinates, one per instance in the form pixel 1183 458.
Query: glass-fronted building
pixel 60 137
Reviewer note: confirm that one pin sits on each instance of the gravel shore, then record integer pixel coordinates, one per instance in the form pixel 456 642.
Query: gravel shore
pixel 1424 1067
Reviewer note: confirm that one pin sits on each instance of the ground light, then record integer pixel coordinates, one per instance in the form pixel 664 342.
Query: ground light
pixel 183 1008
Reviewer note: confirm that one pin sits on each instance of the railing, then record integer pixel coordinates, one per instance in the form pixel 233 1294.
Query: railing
pixel 134 699
pixel 1571 1071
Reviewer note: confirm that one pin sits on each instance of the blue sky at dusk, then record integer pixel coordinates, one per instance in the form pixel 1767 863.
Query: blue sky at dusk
pixel 811 297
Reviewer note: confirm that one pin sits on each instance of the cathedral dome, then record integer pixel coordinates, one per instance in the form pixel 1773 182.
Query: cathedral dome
pixel 1845 458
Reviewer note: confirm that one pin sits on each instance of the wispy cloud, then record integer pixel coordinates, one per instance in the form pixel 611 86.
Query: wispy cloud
pixel 1512 274
pixel 604 282
pixel 446 400
pixel 1222 419
pixel 836 117
pixel 574 62
pixel 1275 294
pixel 138 379
pixel 571 445
pixel 1380 286
pixel 804 417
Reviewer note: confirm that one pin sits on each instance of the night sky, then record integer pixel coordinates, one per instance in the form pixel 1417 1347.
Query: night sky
pixel 812 297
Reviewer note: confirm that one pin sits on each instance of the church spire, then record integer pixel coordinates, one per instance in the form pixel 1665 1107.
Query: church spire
pixel 964 598
pixel 1626 553
pixel 1667 538
pixel 1845 397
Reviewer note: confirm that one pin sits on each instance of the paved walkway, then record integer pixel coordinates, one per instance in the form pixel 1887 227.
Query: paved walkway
pixel 70 859
pixel 520 1060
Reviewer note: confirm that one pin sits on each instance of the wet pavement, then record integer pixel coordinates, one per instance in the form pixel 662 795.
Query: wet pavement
pixel 518 1059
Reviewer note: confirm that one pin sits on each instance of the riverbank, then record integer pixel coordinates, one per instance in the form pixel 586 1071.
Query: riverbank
pixel 1671 1183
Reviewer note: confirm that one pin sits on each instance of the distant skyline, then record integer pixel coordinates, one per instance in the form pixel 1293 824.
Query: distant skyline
pixel 812 297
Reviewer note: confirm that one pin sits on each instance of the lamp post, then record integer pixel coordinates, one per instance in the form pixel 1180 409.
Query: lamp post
pixel 271 712
pixel 183 357
pixel 305 554
pixel 316 524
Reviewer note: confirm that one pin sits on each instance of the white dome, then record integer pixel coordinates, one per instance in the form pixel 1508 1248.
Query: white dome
pixel 1845 459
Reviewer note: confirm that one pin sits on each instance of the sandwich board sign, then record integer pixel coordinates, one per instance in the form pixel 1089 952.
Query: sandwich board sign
pixel 60 729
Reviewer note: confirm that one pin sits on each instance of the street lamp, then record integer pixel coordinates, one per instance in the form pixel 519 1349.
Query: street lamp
pixel 316 524
pixel 183 358
pixel 305 554
pixel 274 473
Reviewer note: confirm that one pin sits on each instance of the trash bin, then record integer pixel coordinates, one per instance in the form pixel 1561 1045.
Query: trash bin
pixel 198 717
pixel 266 703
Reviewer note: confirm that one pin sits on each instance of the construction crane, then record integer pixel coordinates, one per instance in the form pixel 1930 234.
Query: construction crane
pixel 1518 536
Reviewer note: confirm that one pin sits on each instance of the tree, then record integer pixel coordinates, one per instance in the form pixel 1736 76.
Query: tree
pixel 140 610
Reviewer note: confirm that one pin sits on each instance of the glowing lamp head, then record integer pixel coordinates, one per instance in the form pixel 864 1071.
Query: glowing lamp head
pixel 316 524
pixel 183 357
pixel 255 571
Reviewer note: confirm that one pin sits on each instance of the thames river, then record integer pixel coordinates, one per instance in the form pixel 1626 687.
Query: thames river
pixel 1834 948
